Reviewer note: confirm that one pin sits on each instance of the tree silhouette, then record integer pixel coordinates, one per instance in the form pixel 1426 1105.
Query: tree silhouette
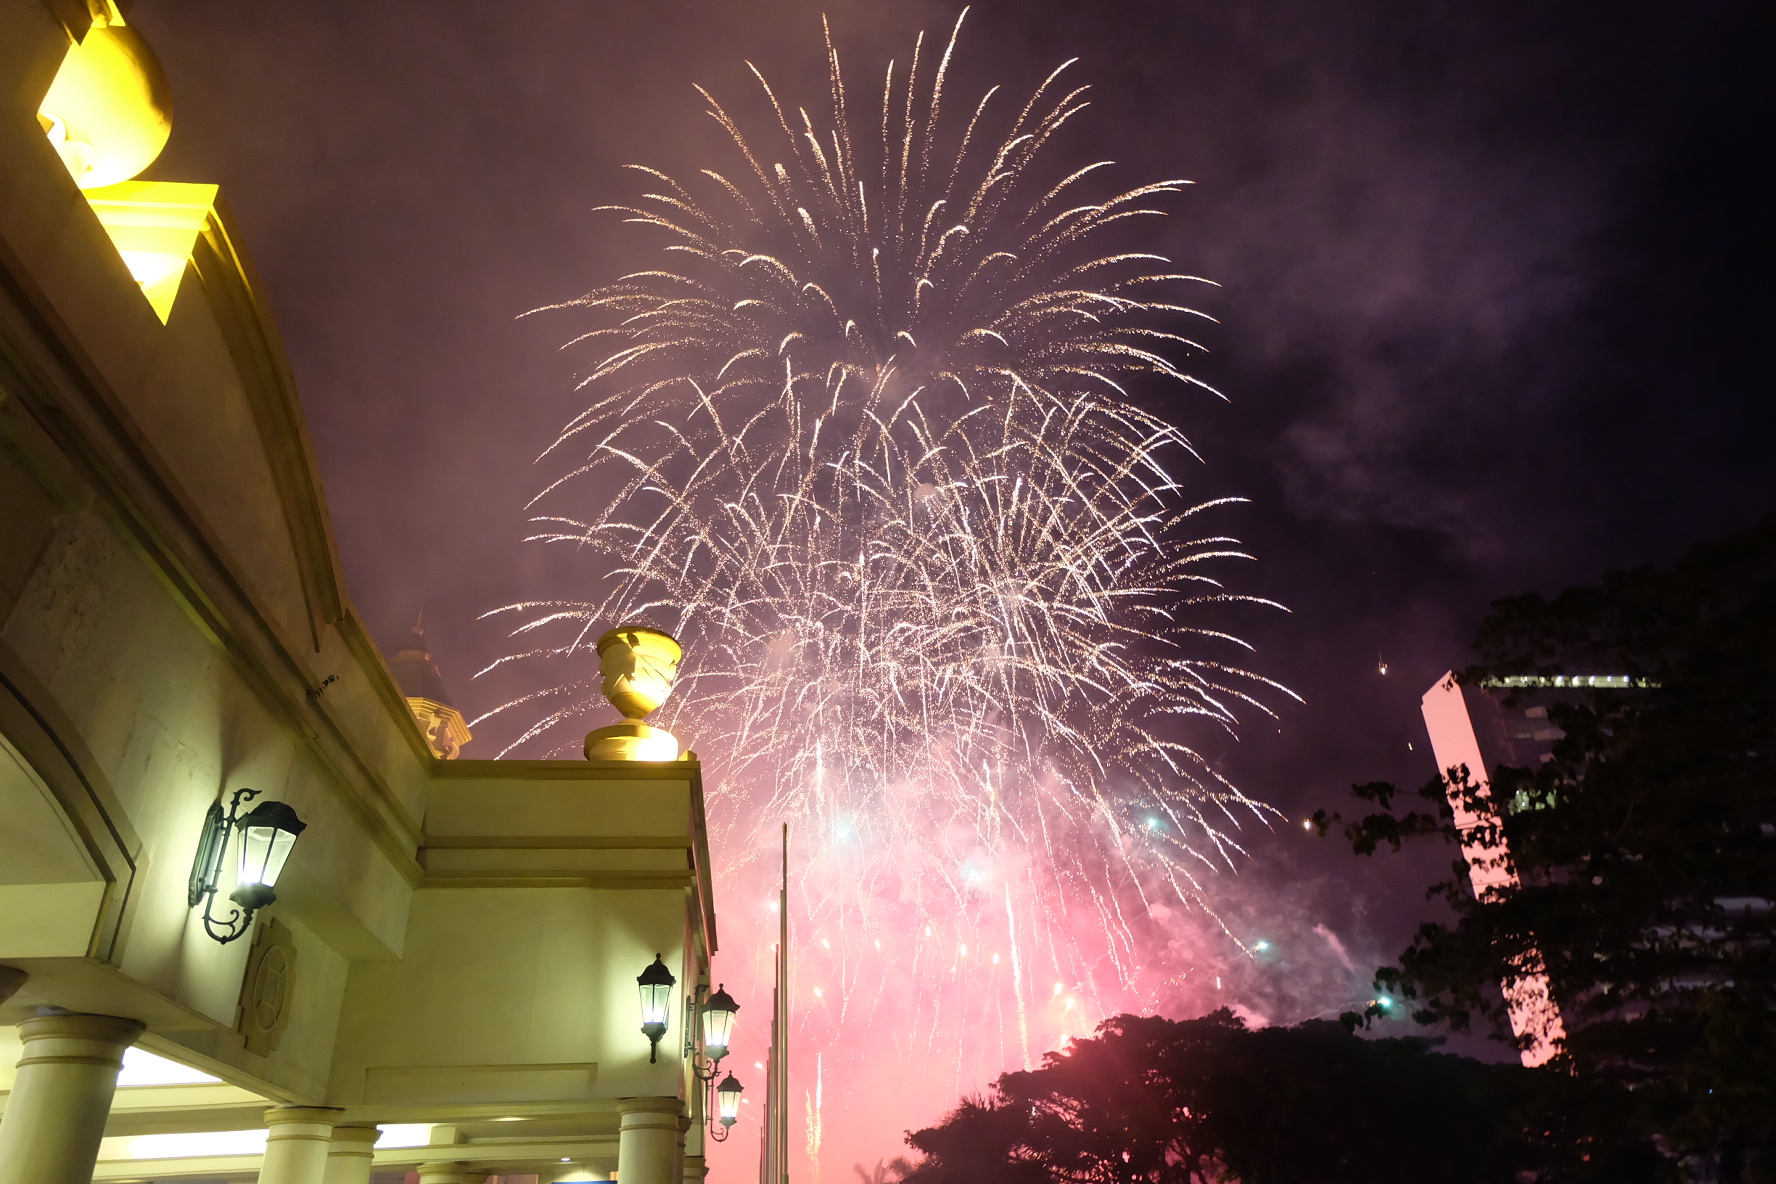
pixel 1645 847
pixel 1156 1101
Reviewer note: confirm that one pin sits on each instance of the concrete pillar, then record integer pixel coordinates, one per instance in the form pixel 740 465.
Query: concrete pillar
pixel 296 1151
pixel 647 1141
pixel 350 1154
pixel 694 1143
pixel 56 1115
pixel 689 1152
pixel 571 1173
pixel 450 1173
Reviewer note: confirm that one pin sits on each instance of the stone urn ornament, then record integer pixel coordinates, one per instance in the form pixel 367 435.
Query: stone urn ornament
pixel 639 665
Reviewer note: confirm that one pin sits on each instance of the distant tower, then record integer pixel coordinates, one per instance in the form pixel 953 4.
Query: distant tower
pixel 417 675
pixel 1459 719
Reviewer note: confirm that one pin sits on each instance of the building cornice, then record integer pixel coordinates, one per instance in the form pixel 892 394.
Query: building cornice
pixel 74 408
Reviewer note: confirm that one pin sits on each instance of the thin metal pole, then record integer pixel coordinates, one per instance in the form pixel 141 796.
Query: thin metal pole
pixel 783 1017
pixel 768 1135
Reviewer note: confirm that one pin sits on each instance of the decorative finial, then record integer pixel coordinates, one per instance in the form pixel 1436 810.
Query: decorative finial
pixel 639 665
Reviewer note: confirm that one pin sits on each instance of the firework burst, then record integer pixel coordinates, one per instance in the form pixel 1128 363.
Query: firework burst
pixel 864 442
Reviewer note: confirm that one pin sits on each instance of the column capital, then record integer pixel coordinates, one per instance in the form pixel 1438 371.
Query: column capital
pixel 659 1105
pixel 71 1038
pixel 648 1141
pixel 66 1077
pixel 313 1115
pixel 351 1154
pixel 347 1140
pixel 296 1144
pixel 74 1025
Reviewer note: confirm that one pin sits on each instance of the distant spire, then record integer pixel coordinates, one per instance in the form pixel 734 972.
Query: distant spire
pixel 422 685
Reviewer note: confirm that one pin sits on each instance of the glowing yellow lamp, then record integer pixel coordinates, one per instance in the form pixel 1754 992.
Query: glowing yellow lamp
pixel 109 111
pixel 155 225
pixel 108 114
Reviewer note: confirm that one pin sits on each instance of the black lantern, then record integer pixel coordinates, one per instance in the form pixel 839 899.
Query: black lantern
pixel 656 983
pixel 267 834
pixel 718 1025
pixel 727 1096
pixel 706 1042
pixel 263 842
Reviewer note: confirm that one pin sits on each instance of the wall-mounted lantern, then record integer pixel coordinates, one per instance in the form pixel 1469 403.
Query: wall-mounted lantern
pixel 656 983
pixel 264 837
pixel 718 1025
pixel 716 1029
pixel 727 1096
pixel 706 1042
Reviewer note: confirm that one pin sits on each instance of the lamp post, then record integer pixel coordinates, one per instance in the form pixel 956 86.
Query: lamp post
pixel 656 983
pixel 266 835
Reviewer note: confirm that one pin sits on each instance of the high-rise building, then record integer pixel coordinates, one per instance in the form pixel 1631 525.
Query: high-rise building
pixel 1473 731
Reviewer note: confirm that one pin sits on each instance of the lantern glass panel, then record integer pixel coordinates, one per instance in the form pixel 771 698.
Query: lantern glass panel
pixel 718 1023
pixel 656 1002
pixel 655 984
pixel 267 835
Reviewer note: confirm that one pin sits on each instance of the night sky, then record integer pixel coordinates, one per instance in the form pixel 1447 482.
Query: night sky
pixel 1494 316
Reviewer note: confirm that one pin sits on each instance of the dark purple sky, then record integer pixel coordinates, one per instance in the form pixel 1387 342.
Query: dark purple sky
pixel 1495 313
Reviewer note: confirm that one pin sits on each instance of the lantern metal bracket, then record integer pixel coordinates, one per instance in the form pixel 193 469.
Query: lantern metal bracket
pixel 717 1126
pixel 718 1131
pixel 206 873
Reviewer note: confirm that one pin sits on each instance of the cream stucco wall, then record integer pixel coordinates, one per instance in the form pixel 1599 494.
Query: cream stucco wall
pixel 172 628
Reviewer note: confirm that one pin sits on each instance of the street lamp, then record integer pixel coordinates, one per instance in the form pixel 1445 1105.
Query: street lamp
pixel 267 833
pixel 656 983
pixel 728 1099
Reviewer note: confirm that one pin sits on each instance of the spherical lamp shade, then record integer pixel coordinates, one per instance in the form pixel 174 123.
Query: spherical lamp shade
pixel 108 113
pixel 656 983
pixel 267 834
pixel 727 1100
pixel 718 1023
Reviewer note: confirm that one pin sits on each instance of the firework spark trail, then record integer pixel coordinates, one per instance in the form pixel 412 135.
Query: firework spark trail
pixel 1017 978
pixel 816 1104
pixel 863 442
